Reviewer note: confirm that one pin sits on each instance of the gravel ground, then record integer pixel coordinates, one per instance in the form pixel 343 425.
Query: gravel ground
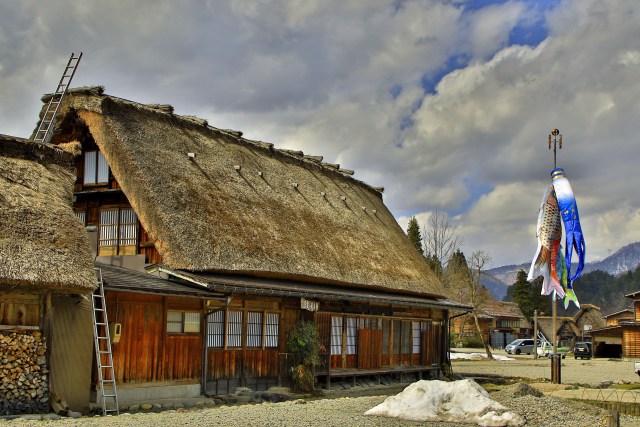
pixel 348 411
pixel 544 411
pixel 573 371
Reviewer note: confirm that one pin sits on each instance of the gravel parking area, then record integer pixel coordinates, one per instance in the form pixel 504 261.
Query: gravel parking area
pixel 573 371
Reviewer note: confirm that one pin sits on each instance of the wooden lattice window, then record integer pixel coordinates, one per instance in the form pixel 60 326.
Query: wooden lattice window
pixel 215 330
pixel 118 232
pixel 254 329
pixel 271 330
pixel 234 329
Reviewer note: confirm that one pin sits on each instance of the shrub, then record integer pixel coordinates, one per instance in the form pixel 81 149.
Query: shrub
pixel 304 345
pixel 472 342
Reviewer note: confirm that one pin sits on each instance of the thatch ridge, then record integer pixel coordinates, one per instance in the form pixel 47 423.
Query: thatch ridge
pixel 235 205
pixel 42 244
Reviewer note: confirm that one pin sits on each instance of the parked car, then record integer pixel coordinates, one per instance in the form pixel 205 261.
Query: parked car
pixel 636 367
pixel 582 350
pixel 520 346
pixel 547 349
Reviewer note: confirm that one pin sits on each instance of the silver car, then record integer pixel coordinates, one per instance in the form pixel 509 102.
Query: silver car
pixel 520 346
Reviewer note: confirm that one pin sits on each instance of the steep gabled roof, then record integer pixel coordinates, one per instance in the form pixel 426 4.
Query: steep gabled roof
pixel 545 324
pixel 42 244
pixel 216 202
pixel 502 309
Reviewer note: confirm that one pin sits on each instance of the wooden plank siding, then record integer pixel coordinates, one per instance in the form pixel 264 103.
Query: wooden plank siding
pixel 20 308
pixel 146 352
pixel 631 343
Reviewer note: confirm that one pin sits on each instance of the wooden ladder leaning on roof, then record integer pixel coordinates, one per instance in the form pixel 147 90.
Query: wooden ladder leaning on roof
pixel 102 344
pixel 49 116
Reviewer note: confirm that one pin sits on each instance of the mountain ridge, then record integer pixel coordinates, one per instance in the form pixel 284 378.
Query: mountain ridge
pixel 627 258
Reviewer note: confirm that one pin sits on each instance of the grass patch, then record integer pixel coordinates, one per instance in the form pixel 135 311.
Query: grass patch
pixel 626 386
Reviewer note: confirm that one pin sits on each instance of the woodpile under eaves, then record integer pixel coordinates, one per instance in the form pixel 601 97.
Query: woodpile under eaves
pixel 24 385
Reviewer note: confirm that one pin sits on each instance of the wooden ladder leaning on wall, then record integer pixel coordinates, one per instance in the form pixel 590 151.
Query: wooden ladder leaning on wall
pixel 102 345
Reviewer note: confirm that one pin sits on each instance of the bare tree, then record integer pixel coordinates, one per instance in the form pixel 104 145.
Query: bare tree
pixel 441 240
pixel 479 296
pixel 464 280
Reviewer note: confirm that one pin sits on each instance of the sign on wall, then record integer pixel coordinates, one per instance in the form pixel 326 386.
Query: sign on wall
pixel 309 305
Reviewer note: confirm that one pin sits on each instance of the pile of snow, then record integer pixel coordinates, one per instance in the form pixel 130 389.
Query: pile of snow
pixel 458 401
pixel 472 356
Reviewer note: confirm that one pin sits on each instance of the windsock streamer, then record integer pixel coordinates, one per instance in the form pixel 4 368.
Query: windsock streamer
pixel 572 228
pixel 570 295
pixel 549 233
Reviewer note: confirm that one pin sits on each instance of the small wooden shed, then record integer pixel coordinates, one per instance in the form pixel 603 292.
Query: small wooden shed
pixel 46 275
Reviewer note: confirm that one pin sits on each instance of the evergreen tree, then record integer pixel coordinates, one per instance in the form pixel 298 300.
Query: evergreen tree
pixel 528 296
pixel 413 231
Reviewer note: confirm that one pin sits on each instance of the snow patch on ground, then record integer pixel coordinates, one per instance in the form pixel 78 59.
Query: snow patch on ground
pixel 461 401
pixel 473 356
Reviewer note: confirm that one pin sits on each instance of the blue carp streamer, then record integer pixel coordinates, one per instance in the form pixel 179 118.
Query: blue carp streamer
pixel 572 228
pixel 570 295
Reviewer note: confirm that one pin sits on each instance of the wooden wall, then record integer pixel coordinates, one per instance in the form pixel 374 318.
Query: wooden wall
pixel 631 343
pixel 146 352
pixel 20 308
pixel 71 350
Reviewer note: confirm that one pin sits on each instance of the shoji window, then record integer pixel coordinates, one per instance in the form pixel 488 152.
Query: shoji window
pixel 418 327
pixel 183 322
pixel 96 169
pixel 254 329
pixel 215 330
pixel 352 335
pixel 271 330
pixel 234 329
pixel 336 335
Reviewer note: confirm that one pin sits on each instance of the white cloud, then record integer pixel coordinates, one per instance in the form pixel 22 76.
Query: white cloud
pixel 345 80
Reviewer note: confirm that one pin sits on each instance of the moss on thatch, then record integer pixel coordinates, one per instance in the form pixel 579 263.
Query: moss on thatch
pixel 213 201
pixel 42 244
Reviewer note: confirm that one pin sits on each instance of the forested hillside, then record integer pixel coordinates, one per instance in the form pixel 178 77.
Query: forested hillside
pixel 601 289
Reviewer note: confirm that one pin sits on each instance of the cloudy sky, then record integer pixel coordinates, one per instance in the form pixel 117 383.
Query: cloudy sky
pixel 447 104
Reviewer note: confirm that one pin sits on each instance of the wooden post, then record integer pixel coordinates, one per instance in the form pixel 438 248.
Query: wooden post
pixel 535 334
pixel 612 419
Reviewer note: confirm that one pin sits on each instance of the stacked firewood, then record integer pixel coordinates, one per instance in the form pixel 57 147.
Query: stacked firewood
pixel 24 385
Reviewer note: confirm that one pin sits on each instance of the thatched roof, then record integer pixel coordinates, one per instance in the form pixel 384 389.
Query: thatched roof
pixel 216 202
pixel 589 314
pixel 502 309
pixel 42 244
pixel 545 325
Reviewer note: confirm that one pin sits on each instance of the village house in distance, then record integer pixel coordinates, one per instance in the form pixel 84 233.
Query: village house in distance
pixel 213 246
